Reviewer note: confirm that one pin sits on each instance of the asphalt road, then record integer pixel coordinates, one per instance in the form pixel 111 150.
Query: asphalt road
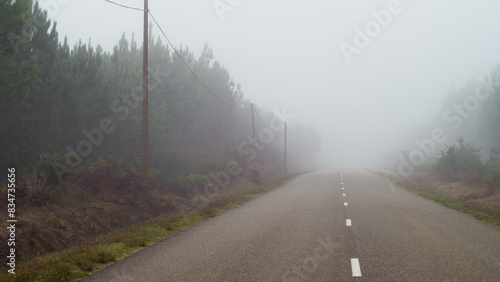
pixel 324 226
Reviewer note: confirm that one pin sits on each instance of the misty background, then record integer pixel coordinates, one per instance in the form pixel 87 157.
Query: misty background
pixel 408 87
pixel 287 54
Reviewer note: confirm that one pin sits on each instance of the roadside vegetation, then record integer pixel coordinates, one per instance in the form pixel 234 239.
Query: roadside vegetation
pixel 461 180
pixel 70 125
pixel 105 213
pixel 454 159
pixel 462 162
pixel 483 205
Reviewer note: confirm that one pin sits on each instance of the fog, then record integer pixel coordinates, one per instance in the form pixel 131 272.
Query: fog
pixel 289 54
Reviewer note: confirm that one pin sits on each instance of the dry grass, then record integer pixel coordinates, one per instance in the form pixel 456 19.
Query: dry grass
pixel 478 200
pixel 84 229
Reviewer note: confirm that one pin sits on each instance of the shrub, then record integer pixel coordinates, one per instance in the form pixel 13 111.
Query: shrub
pixel 45 167
pixel 461 159
pixel 183 185
pixel 255 176
pixel 109 174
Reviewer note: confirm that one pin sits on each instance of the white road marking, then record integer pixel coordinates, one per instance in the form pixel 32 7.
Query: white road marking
pixel 348 222
pixel 342 183
pixel 342 188
pixel 345 204
pixel 356 269
pixel 343 195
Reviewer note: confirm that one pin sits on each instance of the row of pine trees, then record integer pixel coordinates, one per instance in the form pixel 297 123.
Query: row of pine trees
pixel 72 104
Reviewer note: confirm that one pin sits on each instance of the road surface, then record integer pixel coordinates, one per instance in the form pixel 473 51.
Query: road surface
pixel 324 226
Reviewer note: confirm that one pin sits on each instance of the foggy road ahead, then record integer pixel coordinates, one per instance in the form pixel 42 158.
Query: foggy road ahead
pixel 324 226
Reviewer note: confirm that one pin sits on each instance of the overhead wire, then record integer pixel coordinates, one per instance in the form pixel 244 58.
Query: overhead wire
pixel 183 61
pixel 124 6
pixel 257 113
pixel 173 48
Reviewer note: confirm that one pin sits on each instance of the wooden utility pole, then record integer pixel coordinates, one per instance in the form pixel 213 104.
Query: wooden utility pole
pixel 298 152
pixel 285 148
pixel 145 91
pixel 253 122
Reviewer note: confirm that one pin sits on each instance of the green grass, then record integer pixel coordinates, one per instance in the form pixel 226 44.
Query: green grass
pixel 76 263
pixel 450 203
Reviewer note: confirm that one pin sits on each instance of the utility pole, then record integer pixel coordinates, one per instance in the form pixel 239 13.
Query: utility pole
pixel 145 123
pixel 298 152
pixel 253 122
pixel 285 148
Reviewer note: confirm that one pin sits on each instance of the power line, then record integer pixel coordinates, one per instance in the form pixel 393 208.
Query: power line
pixel 183 61
pixel 171 45
pixel 123 6
pixel 257 112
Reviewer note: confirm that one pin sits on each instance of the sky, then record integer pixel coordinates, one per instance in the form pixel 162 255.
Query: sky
pixel 361 72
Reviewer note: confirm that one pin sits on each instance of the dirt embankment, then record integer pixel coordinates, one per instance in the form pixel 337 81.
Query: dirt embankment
pixel 104 200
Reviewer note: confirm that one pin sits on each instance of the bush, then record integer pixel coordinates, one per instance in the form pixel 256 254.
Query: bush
pixel 109 174
pixel 183 185
pixel 461 159
pixel 255 176
pixel 37 190
pixel 45 167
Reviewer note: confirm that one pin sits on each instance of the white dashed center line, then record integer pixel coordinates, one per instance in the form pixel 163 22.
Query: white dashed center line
pixel 356 269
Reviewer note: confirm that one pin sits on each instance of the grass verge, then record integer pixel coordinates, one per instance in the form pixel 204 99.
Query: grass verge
pixel 78 262
pixel 448 202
